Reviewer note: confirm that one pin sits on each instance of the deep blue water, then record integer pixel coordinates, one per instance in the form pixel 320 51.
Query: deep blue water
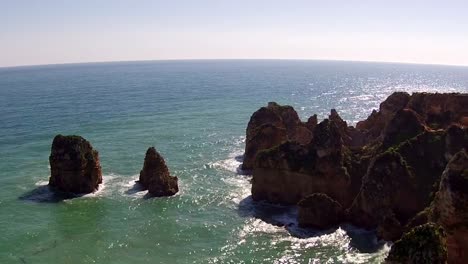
pixel 195 113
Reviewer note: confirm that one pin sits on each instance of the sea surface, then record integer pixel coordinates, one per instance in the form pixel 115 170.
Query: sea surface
pixel 195 113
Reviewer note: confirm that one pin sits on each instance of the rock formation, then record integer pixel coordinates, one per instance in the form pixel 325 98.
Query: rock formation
pixel 289 172
pixel 155 175
pixel 271 125
pixel 450 207
pixel 383 174
pixel 425 244
pixel 319 211
pixel 74 165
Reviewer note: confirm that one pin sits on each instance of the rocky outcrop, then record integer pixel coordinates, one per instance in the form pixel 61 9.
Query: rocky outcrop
pixel 375 124
pixel 437 111
pixel 319 211
pixel 425 244
pixel 450 207
pixel 271 125
pixel 290 171
pixel 74 165
pixel 400 183
pixel 384 173
pixel 404 125
pixel 155 175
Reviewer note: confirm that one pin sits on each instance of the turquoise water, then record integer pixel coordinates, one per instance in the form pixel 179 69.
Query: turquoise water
pixel 195 113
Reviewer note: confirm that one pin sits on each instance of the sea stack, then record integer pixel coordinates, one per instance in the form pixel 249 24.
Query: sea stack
pixel 155 175
pixel 74 165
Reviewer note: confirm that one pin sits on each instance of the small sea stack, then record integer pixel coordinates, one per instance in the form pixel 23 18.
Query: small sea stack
pixel 74 165
pixel 155 175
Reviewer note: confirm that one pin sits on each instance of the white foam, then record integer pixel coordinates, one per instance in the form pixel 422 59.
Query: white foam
pixel 41 183
pixel 283 229
pixel 113 185
pixel 240 186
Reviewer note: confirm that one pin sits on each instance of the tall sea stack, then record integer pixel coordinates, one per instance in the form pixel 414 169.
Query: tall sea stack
pixel 74 165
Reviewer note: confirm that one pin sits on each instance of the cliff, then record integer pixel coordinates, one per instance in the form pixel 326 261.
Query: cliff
pixel 388 173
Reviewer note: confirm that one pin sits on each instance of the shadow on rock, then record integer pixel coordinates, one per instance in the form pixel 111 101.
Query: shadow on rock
pixel 44 194
pixel 365 241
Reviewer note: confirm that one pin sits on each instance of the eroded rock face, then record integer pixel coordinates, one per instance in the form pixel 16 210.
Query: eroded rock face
pixel 270 126
pixel 399 184
pixel 437 111
pixel 155 175
pixel 384 172
pixel 319 211
pixel 425 244
pixel 290 171
pixel 375 124
pixel 74 165
pixel 450 207
pixel 404 125
pixel 440 110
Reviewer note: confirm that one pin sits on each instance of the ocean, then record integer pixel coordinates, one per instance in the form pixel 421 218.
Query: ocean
pixel 195 113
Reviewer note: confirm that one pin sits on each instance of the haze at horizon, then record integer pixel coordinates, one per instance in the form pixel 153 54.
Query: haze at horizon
pixel 50 32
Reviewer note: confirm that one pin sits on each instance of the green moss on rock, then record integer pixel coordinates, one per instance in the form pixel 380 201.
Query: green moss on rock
pixel 423 244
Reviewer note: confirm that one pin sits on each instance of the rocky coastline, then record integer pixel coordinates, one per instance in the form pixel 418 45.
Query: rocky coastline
pixel 403 171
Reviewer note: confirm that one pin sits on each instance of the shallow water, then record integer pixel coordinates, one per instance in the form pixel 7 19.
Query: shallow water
pixel 195 113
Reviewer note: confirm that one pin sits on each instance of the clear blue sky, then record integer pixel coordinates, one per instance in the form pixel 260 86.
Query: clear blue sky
pixel 64 31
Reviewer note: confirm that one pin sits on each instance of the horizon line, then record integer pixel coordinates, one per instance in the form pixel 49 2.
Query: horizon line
pixel 231 59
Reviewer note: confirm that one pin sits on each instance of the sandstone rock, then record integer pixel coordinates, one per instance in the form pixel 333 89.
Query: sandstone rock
pixel 289 172
pixel 375 124
pixel 74 165
pixel 450 207
pixel 312 122
pixel 399 184
pixel 266 137
pixel 383 194
pixel 327 139
pixel 425 244
pixel 404 125
pixel 435 110
pixel 320 211
pixel 155 175
pixel 270 126
pixel 440 110
pixel 384 173
pixel 456 139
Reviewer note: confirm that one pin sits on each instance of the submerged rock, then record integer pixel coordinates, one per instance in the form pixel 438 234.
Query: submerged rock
pixel 155 175
pixel 74 165
pixel 425 244
pixel 320 211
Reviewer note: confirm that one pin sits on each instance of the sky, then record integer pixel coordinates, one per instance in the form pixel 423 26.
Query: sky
pixel 64 31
